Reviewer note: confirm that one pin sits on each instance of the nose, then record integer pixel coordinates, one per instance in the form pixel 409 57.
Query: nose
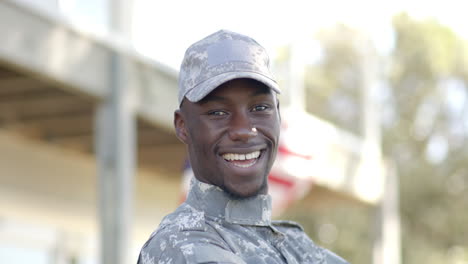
pixel 241 129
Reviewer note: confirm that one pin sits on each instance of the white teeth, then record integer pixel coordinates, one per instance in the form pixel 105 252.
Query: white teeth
pixel 245 165
pixel 236 156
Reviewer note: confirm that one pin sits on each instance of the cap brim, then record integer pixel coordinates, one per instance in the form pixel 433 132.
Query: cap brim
pixel 206 87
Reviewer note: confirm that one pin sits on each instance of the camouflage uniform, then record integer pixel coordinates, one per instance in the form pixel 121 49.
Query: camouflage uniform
pixel 210 227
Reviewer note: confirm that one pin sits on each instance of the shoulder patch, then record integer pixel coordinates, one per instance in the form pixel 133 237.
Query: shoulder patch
pixel 286 223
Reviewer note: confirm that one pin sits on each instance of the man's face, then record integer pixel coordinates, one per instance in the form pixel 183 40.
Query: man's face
pixel 232 136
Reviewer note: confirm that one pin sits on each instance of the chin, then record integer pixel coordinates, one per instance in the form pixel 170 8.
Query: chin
pixel 239 193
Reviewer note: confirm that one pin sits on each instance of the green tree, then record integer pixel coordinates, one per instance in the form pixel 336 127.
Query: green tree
pixel 424 130
pixel 426 134
pixel 333 93
pixel 333 84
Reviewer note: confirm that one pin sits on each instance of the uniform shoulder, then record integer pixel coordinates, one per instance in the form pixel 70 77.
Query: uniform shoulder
pixel 184 218
pixel 175 229
pixel 193 252
pixel 185 237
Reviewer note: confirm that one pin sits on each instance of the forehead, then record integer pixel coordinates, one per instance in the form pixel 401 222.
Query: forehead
pixel 239 87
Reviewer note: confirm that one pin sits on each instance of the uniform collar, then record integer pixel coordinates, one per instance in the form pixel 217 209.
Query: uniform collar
pixel 214 202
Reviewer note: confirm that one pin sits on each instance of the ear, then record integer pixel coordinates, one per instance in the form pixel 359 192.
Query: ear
pixel 179 125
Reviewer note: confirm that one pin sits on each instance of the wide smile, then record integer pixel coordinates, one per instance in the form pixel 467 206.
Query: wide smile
pixel 243 160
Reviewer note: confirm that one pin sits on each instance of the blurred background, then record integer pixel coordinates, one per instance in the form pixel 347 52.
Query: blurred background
pixel 373 155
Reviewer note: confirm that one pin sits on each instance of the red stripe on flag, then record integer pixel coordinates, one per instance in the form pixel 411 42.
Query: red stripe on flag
pixel 286 151
pixel 280 181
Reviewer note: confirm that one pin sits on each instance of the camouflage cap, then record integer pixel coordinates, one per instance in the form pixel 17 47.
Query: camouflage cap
pixel 221 57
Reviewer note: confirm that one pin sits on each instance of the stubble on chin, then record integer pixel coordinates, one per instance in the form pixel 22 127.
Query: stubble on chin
pixel 237 196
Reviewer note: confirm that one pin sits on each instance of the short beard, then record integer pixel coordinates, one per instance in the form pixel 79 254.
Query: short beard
pixel 236 196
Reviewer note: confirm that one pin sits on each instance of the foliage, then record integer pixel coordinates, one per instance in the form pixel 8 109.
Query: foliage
pixel 429 128
pixel 333 83
pixel 424 109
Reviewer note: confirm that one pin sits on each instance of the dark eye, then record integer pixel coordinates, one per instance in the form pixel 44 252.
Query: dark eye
pixel 217 113
pixel 258 108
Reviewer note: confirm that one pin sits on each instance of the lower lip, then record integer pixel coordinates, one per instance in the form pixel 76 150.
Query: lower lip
pixel 243 163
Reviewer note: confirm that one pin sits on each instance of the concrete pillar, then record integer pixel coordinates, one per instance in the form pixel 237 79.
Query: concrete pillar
pixel 115 148
pixel 115 145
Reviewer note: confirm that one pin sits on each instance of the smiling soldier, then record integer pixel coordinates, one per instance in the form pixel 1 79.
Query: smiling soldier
pixel 229 120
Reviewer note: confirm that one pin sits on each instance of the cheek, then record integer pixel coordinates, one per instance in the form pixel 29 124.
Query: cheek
pixel 270 128
pixel 203 139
